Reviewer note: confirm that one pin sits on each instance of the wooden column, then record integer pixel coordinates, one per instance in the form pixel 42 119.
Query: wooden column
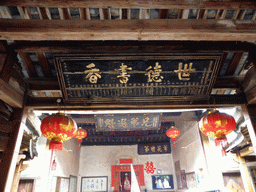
pixel 247 112
pixel 10 155
pixel 248 186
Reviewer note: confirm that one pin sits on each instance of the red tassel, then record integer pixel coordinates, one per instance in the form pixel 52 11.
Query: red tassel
pixel 223 142
pixel 79 140
pixel 173 140
pixel 223 152
pixel 54 165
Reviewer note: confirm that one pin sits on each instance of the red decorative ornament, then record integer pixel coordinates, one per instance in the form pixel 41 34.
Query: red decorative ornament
pixel 218 125
pixel 54 165
pixel 80 134
pixel 58 128
pixel 150 169
pixel 173 133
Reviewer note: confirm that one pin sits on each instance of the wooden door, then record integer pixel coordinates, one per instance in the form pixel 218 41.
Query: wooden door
pixel 26 185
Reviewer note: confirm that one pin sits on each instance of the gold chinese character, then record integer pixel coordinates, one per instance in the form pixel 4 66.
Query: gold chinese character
pixel 145 122
pixel 153 149
pixel 146 148
pixel 165 148
pixel 123 73
pixel 109 123
pixel 93 74
pixel 159 148
pixel 122 122
pixel 154 75
pixel 183 74
pixel 135 121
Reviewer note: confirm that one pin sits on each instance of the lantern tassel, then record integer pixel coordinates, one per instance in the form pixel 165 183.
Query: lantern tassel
pixel 173 140
pixel 54 165
pixel 223 142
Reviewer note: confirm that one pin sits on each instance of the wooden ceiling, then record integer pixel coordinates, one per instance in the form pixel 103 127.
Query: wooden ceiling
pixel 128 20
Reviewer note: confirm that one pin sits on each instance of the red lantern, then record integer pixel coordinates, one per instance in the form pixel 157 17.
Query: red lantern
pixel 80 134
pixel 58 128
pixel 173 133
pixel 217 125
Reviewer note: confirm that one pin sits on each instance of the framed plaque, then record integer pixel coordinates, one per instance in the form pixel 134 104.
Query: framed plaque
pixel 90 184
pixel 173 76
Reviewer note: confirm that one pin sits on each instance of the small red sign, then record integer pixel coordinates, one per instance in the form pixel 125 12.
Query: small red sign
pixel 125 161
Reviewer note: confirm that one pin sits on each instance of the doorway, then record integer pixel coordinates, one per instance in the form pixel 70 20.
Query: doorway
pixel 26 185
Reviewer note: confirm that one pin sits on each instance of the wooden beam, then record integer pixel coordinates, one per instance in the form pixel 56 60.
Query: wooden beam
pixel 91 119
pixel 213 101
pixel 153 4
pixel 228 82
pixel 9 95
pixel 107 47
pixel 38 84
pixel 6 72
pixel 162 29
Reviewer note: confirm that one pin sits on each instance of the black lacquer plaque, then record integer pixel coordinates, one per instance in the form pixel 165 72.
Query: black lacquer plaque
pixel 137 77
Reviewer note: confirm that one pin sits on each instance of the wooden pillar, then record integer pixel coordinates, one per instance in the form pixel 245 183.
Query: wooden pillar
pixel 19 168
pixel 248 116
pixel 10 155
pixel 248 185
pixel 16 177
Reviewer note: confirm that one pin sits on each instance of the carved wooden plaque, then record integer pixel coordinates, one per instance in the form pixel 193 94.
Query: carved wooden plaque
pixel 137 78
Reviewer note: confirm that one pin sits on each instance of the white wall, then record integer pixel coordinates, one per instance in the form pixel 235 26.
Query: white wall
pixel 67 164
pixel 189 151
pixel 68 159
pixel 97 161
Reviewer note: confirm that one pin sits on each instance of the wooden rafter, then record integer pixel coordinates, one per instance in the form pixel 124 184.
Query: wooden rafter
pixel 234 63
pixel 162 29
pixel 44 64
pixel 155 4
pixel 28 64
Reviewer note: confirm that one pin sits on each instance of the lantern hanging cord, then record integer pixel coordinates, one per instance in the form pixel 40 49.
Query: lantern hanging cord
pixel 214 103
pixel 58 104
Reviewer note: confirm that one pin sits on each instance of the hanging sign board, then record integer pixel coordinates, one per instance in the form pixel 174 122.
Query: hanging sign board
pixel 127 122
pixel 137 78
pixel 154 148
